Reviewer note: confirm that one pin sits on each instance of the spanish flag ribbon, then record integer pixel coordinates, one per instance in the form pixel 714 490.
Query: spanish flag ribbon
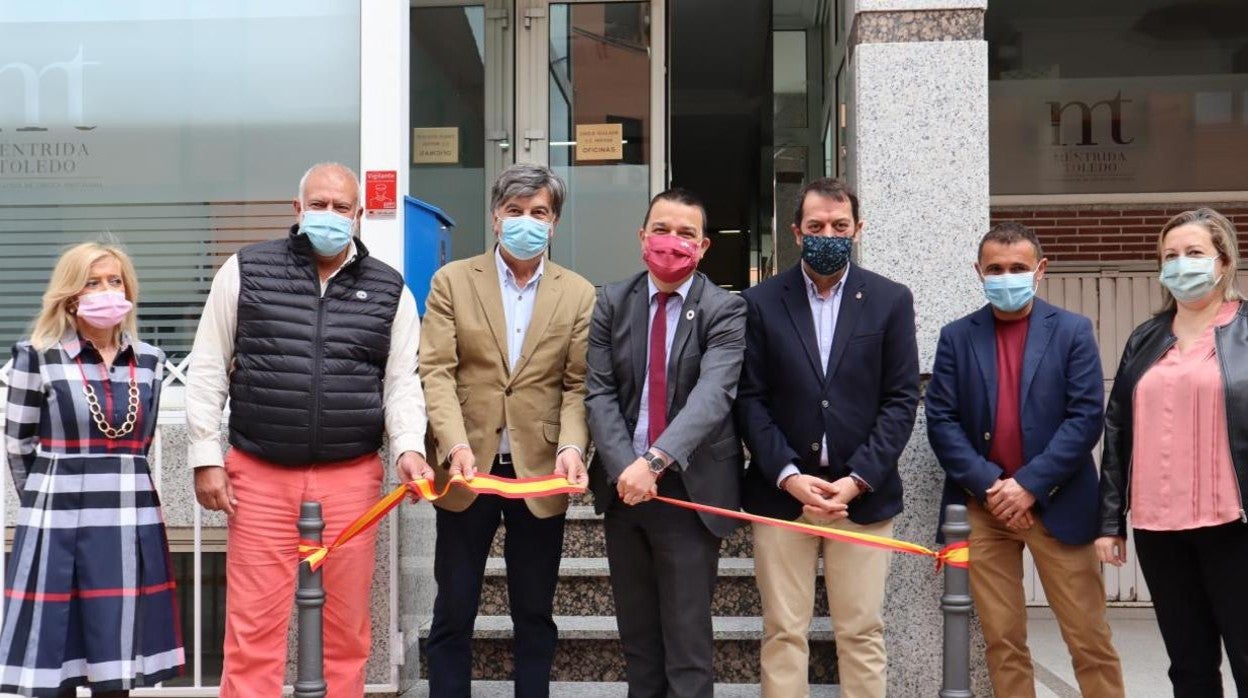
pixel 518 488
pixel 955 554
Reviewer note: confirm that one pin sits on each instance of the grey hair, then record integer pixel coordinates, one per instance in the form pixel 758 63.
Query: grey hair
pixel 341 168
pixel 523 180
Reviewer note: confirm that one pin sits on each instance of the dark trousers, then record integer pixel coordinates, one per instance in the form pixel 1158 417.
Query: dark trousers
pixel 1197 579
pixel 664 564
pixel 532 549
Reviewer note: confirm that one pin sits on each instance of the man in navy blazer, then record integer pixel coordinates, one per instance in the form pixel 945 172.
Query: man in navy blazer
pixel 1014 410
pixel 826 404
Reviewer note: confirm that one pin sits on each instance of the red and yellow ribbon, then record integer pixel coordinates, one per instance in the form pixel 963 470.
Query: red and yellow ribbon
pixel 518 488
pixel 955 554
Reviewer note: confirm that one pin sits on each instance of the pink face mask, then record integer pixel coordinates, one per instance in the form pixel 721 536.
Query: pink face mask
pixel 104 310
pixel 670 258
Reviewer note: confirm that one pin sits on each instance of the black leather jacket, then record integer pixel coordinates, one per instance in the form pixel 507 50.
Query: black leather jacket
pixel 1144 347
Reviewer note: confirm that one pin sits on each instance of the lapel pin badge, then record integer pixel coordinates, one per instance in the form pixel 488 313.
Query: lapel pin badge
pixel 689 315
pixel 858 296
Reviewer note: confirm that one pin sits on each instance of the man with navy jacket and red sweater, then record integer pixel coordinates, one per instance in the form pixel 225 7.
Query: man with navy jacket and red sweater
pixel 1014 409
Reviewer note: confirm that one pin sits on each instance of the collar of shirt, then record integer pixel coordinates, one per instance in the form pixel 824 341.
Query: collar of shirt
pixel 352 253
pixel 506 277
pixel 72 343
pixel 813 291
pixel 681 290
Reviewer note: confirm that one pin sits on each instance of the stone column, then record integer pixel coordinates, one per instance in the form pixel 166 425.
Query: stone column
pixel 918 156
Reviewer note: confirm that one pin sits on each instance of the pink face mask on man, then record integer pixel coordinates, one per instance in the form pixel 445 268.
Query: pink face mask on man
pixel 104 310
pixel 670 258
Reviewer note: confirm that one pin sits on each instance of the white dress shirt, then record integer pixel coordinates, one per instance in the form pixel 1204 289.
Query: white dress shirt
pixel 824 311
pixel 518 308
pixel 641 434
pixel 208 383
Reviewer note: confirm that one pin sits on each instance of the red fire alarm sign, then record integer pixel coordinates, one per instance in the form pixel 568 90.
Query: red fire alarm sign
pixel 381 191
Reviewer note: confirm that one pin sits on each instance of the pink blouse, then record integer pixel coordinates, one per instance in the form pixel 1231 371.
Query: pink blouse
pixel 1181 471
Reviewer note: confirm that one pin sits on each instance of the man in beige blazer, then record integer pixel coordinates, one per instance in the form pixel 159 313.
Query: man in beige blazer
pixel 503 345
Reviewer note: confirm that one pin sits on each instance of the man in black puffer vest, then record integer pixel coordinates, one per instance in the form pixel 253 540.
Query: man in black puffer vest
pixel 316 344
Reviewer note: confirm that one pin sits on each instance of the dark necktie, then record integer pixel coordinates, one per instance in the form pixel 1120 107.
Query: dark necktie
pixel 657 372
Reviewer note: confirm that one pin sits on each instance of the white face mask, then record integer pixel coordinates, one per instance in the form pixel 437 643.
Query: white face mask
pixel 1189 278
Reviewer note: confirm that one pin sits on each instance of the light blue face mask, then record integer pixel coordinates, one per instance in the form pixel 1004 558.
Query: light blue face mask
pixel 1010 292
pixel 1188 278
pixel 328 232
pixel 524 237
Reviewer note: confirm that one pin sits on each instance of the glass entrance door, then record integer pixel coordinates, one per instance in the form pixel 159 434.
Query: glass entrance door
pixel 574 85
pixel 460 110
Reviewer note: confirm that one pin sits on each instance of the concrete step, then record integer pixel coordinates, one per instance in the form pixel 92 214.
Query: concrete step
pixel 585 589
pixel 582 537
pixel 589 649
pixel 615 689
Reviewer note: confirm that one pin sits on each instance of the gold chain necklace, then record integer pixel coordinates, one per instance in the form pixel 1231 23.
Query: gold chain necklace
pixel 97 414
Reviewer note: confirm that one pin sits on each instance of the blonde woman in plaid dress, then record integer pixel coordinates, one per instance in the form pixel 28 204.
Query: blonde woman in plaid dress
pixel 89 598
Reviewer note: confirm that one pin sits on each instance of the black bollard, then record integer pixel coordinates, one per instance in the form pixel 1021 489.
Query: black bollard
pixel 956 605
pixel 310 598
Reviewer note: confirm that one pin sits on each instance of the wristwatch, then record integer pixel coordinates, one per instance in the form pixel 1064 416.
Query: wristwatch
pixel 863 487
pixel 656 462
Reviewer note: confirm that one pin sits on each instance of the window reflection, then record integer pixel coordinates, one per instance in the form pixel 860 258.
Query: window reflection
pixel 600 126
pixel 1118 96
pixel 182 158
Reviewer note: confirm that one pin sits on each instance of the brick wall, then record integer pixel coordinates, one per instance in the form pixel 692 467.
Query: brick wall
pixel 1108 233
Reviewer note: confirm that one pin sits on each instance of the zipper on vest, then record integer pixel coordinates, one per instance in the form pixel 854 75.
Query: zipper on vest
pixel 318 359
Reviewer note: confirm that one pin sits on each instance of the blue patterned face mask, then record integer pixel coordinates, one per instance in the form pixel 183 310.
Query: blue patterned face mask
pixel 826 255
pixel 1010 292
pixel 1189 278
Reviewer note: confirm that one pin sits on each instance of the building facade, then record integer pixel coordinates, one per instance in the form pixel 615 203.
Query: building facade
pixel 181 129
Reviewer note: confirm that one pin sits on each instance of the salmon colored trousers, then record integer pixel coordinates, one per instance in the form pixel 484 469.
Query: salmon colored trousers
pixel 262 560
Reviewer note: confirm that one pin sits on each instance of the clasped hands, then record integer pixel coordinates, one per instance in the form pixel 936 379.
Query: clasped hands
pixel 822 501
pixel 1011 504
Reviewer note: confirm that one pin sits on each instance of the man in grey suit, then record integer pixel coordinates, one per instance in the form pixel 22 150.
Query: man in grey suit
pixel 665 352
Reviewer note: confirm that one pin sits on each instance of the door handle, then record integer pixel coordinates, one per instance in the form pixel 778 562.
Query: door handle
pixel 499 16
pixel 533 134
pixel 532 14
pixel 501 138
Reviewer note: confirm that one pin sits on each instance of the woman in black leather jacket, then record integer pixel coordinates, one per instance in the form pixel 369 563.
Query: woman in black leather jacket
pixel 1176 455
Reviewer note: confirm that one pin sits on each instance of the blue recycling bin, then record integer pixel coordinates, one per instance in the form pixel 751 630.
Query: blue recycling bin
pixel 426 245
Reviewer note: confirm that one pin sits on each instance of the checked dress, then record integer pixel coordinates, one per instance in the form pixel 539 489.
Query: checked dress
pixel 90 595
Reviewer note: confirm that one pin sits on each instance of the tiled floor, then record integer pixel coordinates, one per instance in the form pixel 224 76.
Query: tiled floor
pixel 503 689
pixel 1135 635
pixel 1139 646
